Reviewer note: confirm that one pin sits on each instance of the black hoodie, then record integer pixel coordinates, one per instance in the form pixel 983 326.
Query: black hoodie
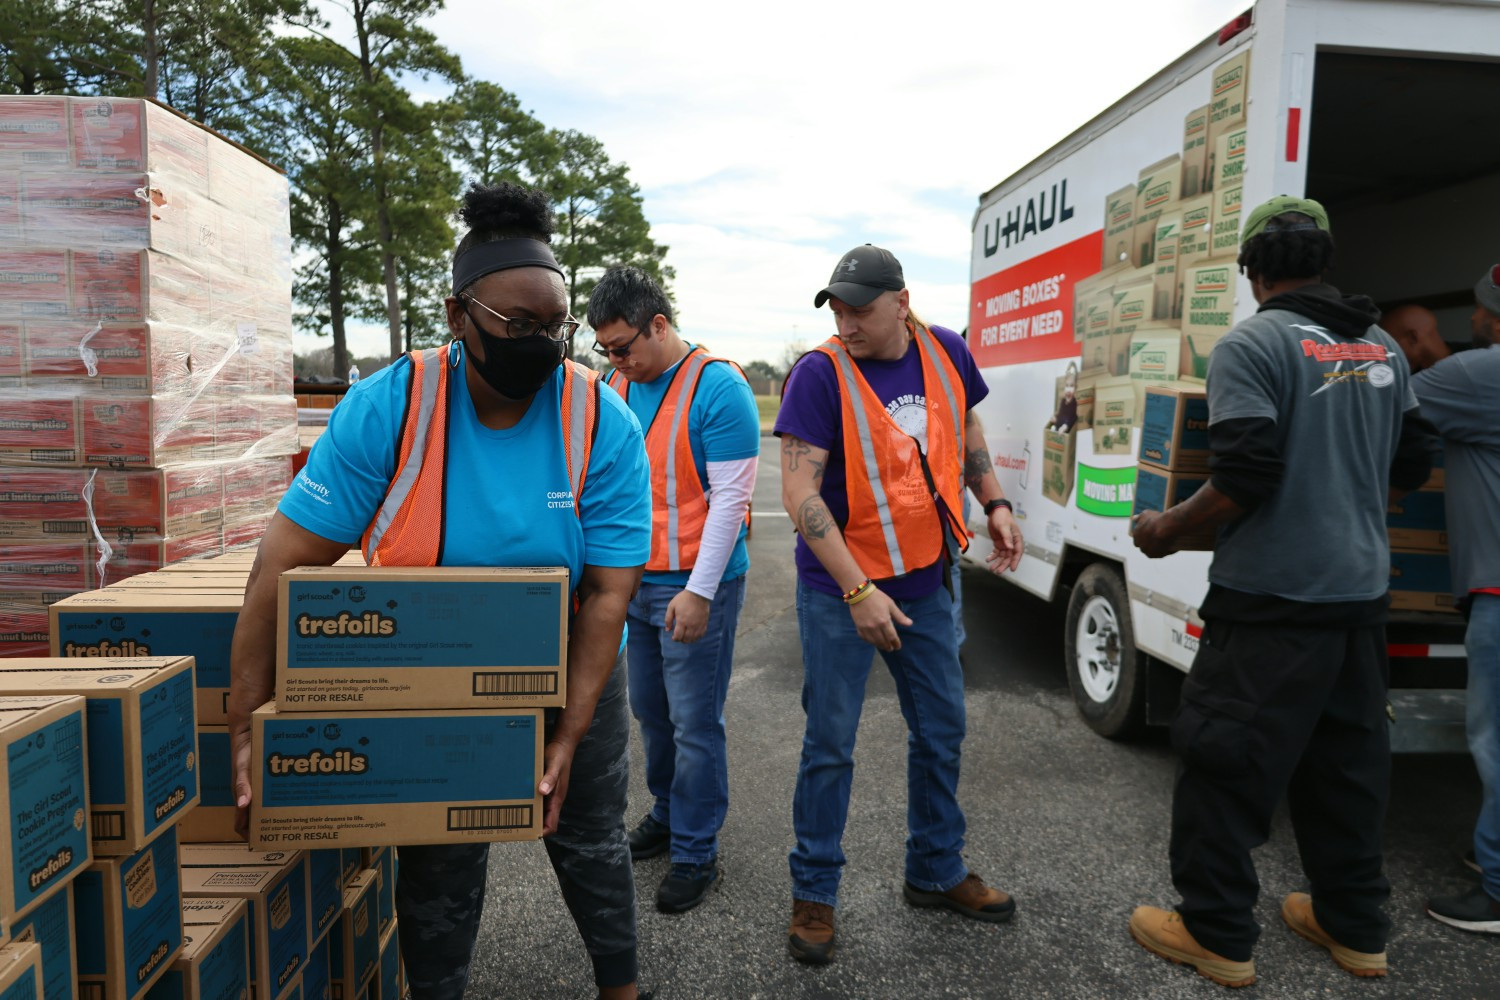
pixel 1348 316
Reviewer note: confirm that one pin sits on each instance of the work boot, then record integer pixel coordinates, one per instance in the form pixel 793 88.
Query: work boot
pixel 685 886
pixel 1475 910
pixel 1297 911
pixel 649 838
pixel 1163 933
pixel 810 938
pixel 970 898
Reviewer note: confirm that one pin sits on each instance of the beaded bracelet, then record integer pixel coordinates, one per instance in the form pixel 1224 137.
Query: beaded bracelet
pixel 859 593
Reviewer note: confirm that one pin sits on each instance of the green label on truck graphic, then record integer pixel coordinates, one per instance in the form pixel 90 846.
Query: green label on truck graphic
pixel 1106 492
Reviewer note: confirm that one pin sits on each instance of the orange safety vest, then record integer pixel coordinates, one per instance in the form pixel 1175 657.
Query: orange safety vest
pixel 896 524
pixel 679 507
pixel 408 527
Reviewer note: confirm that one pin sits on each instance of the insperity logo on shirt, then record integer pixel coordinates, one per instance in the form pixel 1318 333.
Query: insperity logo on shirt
pixel 1353 361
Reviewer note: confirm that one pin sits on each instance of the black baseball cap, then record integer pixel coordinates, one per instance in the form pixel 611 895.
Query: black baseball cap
pixel 863 273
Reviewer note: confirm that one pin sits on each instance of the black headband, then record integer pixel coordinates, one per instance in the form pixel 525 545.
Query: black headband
pixel 500 255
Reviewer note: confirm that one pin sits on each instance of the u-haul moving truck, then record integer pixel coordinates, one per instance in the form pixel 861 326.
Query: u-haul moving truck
pixel 1108 264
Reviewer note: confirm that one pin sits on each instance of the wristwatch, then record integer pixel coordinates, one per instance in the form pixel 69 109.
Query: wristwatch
pixel 993 505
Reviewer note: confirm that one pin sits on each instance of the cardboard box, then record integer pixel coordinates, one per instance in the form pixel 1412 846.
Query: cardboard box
pixel 1227 210
pixel 35 133
pixel 120 622
pixel 1156 193
pixel 1208 307
pixel 1418 522
pixel 1174 428
pixel 143 767
pixel 211 821
pixel 392 985
pixel 1226 109
pixel 358 779
pixel 354 950
pixel 1114 416
pixel 1421 581
pixel 36 282
pixel 359 639
pixel 1168 242
pixel 1059 465
pixel 1159 490
pixel 1098 353
pixel 1119 229
pixel 1134 304
pixel 21 971
pixel 42 504
pixel 384 863
pixel 44 798
pixel 325 889
pixel 215 959
pixel 45 432
pixel 1194 151
pixel 274 888
pixel 317 975
pixel 50 926
pixel 124 432
pixel 1155 357
pixel 128 918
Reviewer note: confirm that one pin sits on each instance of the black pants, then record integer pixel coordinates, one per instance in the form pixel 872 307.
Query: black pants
pixel 1269 710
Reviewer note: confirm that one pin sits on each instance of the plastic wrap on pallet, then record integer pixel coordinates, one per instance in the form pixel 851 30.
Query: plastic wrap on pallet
pixel 146 270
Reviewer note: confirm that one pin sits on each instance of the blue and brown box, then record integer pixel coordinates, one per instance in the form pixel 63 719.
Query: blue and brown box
pixel 354 951
pixel 1159 490
pixel 1421 581
pixel 1174 428
pixel 50 925
pixel 383 860
pixel 366 779
pixel 316 975
pixel 143 761
pixel 1418 522
pixel 325 889
pixel 273 885
pixel 215 959
pixel 120 622
pixel 20 971
pixel 211 821
pixel 356 639
pixel 128 921
pixel 392 972
pixel 43 798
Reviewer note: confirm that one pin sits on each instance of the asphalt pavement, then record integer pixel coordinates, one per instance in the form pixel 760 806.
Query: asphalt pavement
pixel 1073 825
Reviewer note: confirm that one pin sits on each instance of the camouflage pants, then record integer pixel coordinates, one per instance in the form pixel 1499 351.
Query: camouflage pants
pixel 440 889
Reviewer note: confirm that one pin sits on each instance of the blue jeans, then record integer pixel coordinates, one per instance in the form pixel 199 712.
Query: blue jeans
pixel 929 683
pixel 677 692
pixel 1483 645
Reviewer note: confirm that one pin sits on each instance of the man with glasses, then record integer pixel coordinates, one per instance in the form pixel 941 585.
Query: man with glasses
pixel 703 442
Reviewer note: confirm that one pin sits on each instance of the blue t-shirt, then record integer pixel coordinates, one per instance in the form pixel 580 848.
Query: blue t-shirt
pixel 811 410
pixel 723 426
pixel 508 499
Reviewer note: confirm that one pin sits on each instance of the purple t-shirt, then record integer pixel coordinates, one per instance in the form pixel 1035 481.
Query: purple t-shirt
pixel 810 410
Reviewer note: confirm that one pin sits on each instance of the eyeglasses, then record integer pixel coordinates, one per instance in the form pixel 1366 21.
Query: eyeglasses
pixel 520 329
pixel 623 351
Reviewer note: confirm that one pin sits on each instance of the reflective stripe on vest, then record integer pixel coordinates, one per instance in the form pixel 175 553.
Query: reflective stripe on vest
pixel 896 524
pixel 408 528
pixel 679 505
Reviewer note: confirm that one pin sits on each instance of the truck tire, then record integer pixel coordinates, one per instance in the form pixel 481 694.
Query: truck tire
pixel 1106 673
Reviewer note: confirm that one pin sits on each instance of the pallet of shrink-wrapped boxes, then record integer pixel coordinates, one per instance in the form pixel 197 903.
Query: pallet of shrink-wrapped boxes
pixel 403 716
pixel 145 348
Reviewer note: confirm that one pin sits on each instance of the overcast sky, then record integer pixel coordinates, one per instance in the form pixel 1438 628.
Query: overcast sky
pixel 769 138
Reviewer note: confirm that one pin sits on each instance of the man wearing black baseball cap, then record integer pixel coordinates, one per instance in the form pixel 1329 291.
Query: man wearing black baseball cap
pixel 1461 396
pixel 877 444
pixel 1312 425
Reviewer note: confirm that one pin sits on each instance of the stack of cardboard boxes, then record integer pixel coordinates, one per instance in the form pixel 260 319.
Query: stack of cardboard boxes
pixel 1165 293
pixel 145 348
pixel 1418 529
pixel 1174 452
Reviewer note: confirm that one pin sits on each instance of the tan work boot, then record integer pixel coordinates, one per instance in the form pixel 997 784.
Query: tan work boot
pixel 1163 933
pixel 970 898
pixel 1297 911
pixel 810 938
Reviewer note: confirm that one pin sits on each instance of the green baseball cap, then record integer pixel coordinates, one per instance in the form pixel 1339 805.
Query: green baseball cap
pixel 1255 222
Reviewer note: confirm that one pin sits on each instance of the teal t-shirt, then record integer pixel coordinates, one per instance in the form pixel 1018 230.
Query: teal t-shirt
pixel 508 501
pixel 723 426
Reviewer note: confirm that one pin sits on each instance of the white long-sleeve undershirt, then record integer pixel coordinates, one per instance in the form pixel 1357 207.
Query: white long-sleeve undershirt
pixel 730 486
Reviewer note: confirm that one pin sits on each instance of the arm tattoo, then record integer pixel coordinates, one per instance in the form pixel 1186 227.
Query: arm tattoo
pixel 814 519
pixel 817 469
pixel 977 465
pixel 793 449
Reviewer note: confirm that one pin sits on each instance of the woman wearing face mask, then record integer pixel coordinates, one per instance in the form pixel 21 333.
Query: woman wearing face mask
pixel 489 451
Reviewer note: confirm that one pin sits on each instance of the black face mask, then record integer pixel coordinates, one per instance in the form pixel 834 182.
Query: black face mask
pixel 516 369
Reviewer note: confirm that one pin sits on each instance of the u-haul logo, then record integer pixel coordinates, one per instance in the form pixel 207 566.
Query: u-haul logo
pixel 341 761
pixel 369 623
pixel 1229 80
pixel 1216 280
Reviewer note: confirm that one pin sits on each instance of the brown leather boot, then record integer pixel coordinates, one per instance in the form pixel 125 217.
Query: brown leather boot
pixel 810 938
pixel 1163 933
pixel 1297 911
pixel 970 898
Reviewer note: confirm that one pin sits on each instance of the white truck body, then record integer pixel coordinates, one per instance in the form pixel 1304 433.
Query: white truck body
pixel 1382 109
